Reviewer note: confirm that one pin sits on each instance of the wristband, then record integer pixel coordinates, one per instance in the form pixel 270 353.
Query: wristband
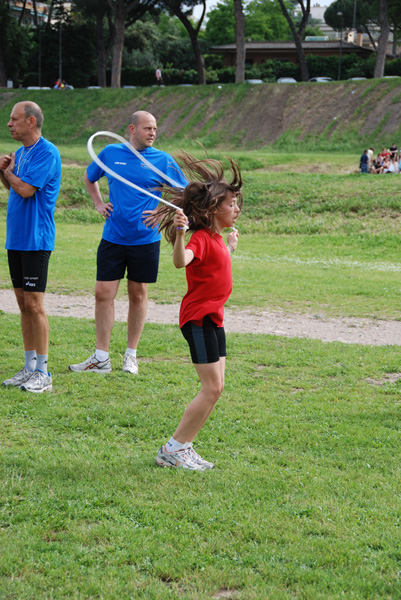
pixel 232 249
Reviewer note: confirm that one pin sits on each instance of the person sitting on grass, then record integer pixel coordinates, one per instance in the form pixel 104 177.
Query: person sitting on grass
pixel 209 204
pixel 377 167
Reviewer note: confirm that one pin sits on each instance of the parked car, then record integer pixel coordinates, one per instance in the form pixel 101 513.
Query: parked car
pixel 320 79
pixel 254 81
pixel 356 78
pixel 286 80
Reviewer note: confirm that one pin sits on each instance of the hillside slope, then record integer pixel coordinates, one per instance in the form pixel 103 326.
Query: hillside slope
pixel 337 116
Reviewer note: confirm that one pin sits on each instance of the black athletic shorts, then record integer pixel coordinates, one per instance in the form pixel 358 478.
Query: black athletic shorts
pixel 28 269
pixel 207 343
pixel 141 262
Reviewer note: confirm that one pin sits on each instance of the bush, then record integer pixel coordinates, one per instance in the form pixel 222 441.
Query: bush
pixel 138 76
pixel 226 75
pixel 393 67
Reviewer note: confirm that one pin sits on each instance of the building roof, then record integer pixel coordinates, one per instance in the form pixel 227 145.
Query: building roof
pixel 277 46
pixel 262 51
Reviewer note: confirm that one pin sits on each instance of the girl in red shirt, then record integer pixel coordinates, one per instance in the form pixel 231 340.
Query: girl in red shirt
pixel 209 204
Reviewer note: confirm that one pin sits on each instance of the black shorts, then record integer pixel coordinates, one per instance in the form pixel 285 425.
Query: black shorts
pixel 141 262
pixel 28 269
pixel 207 343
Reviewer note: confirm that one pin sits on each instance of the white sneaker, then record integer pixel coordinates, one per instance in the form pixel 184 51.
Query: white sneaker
pixel 178 459
pixel 198 459
pixel 92 365
pixel 130 364
pixel 19 378
pixel 38 382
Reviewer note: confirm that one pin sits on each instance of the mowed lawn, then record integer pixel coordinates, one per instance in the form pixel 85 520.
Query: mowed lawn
pixel 305 498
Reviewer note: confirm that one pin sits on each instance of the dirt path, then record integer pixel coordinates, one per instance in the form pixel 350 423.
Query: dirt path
pixel 348 330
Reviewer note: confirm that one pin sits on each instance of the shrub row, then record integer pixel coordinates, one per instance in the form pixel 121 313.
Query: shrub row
pixel 271 70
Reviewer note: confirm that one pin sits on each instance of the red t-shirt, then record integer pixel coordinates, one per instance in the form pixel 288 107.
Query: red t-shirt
pixel 209 279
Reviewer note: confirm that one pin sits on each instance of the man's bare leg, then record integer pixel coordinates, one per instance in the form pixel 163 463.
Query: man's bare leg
pixel 138 304
pixel 105 293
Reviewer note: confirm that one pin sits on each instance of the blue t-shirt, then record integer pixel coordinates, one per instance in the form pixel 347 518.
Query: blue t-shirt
pixel 125 225
pixel 30 221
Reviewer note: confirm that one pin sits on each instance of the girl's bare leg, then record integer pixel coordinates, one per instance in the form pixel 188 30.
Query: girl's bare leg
pixel 211 376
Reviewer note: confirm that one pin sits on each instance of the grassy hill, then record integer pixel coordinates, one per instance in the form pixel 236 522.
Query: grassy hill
pixel 340 116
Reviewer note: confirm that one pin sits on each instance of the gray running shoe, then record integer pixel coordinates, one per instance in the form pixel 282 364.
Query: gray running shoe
pixel 179 459
pixel 21 377
pixel 198 459
pixel 38 382
pixel 130 364
pixel 92 365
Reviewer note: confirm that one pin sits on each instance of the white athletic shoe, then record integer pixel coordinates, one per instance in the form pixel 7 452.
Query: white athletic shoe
pixel 38 382
pixel 19 378
pixel 198 459
pixel 92 365
pixel 179 459
pixel 130 364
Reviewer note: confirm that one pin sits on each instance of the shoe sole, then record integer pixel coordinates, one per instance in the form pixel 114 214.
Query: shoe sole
pixel 129 371
pixel 104 371
pixel 160 462
pixel 48 388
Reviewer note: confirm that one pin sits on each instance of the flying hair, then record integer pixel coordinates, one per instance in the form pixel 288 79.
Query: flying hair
pixel 206 189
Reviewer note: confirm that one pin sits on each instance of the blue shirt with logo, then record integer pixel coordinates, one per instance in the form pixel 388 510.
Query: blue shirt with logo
pixel 125 225
pixel 30 221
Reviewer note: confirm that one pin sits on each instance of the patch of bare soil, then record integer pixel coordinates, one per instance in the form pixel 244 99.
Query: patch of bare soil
pixel 370 332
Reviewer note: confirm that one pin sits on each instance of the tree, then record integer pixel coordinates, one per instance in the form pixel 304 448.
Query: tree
pixel 239 42
pixel 183 10
pixel 99 10
pixel 14 46
pixel 121 9
pixel 383 39
pixel 364 16
pixel 264 21
pixel 298 32
pixel 369 13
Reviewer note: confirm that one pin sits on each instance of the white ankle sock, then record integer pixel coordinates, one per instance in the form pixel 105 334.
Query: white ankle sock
pixel 41 362
pixel 30 359
pixel 101 355
pixel 172 445
pixel 131 351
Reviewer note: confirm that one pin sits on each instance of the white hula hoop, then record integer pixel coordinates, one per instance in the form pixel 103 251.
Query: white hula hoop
pixel 105 168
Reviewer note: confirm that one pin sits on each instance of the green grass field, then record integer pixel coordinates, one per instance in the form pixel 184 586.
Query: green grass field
pixel 304 500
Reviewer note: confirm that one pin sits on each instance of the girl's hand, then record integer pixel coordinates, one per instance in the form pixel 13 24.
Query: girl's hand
pixel 180 221
pixel 232 239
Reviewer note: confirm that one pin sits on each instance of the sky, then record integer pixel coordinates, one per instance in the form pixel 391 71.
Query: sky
pixel 211 3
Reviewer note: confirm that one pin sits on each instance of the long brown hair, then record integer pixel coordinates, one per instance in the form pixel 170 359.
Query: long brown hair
pixel 206 189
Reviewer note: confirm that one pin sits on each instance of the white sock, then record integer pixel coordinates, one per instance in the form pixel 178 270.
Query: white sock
pixel 131 351
pixel 101 355
pixel 41 363
pixel 172 445
pixel 30 359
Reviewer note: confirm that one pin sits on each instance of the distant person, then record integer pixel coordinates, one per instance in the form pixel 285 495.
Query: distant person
pixel 57 84
pixel 390 167
pixel 370 156
pixel 364 162
pixel 32 175
pixel 209 204
pixel 158 75
pixel 377 167
pixel 393 150
pixel 127 244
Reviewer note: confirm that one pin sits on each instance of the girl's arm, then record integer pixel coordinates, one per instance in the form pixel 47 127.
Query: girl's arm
pixel 232 241
pixel 181 256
